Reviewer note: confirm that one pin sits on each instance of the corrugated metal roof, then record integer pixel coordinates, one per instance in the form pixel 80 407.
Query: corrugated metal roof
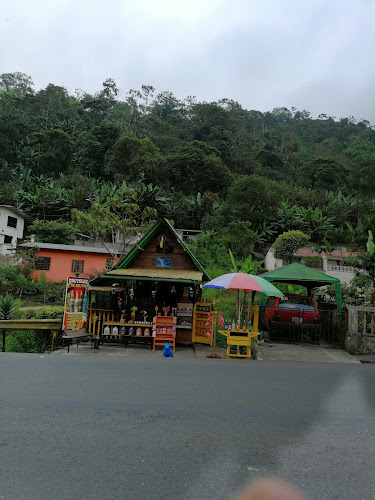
pixel 16 211
pixel 173 274
pixel 105 289
pixel 335 254
pixel 69 248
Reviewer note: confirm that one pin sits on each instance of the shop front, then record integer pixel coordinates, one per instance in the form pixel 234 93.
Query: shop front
pixel 153 294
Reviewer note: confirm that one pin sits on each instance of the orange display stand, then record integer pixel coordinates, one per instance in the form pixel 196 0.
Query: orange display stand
pixel 164 330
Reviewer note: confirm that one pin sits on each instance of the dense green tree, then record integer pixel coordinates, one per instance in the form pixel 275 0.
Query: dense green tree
pixel 255 199
pixel 53 231
pixel 19 82
pixel 53 148
pixel 328 173
pixel 195 166
pixel 133 159
pixel 119 216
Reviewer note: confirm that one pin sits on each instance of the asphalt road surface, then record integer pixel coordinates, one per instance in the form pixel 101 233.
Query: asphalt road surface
pixel 76 427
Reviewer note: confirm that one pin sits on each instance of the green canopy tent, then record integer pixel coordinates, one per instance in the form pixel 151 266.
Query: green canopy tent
pixel 297 274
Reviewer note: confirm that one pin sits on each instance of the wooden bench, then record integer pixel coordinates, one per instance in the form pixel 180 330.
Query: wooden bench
pixel 69 337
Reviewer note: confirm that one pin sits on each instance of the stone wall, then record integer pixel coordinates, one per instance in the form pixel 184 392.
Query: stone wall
pixel 360 334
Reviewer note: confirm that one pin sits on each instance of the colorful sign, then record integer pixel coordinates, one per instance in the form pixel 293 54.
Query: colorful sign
pixel 76 302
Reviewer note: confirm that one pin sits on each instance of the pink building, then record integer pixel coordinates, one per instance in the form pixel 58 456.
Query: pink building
pixel 60 261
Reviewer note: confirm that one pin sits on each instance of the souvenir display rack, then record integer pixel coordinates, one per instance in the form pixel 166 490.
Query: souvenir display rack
pixel 164 330
pixel 202 314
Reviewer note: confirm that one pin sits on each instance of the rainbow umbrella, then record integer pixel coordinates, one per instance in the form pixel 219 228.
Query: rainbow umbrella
pixel 243 281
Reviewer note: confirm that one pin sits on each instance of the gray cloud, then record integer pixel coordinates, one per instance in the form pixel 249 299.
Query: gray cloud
pixel 313 54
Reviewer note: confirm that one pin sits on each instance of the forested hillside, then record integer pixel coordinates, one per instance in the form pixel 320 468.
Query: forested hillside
pixel 245 175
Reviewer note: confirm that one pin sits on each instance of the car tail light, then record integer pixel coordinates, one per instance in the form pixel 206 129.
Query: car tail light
pixel 316 318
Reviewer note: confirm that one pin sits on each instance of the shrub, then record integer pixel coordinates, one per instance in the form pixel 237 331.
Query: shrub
pixel 28 341
pixel 52 312
pixel 313 262
pixel 288 243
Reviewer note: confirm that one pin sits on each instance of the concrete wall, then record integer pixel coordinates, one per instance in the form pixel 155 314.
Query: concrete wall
pixel 344 277
pixel 270 261
pixel 5 230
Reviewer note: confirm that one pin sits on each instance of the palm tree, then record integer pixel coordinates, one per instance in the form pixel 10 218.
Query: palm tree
pixel 8 306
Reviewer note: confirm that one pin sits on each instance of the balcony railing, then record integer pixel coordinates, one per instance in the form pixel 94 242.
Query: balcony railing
pixel 340 269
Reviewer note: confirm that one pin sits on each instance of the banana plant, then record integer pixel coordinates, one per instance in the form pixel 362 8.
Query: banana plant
pixel 370 244
pixel 248 267
pixel 8 307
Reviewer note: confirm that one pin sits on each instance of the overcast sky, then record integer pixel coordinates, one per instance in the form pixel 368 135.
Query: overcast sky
pixel 316 55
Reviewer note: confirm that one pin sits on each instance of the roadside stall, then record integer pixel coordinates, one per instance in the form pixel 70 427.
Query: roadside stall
pixel 152 294
pixel 241 334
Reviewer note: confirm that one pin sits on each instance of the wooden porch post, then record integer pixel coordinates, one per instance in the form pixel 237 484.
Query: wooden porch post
pixel 54 337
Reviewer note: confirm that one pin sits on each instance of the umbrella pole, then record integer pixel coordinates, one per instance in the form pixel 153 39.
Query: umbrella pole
pixel 214 354
pixel 239 305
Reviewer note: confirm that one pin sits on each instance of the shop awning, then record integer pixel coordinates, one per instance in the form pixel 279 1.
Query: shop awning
pixel 105 289
pixel 157 274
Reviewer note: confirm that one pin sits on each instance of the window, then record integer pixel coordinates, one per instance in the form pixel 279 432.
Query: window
pixel 163 261
pixel 12 222
pixel 7 239
pixel 109 264
pixel 43 263
pixel 77 266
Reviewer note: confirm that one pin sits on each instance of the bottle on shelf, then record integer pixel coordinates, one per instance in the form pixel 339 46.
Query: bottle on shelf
pixel 226 325
pixel 115 330
pixel 84 303
pixel 244 326
pixel 233 325
pixel 80 300
pixel 76 302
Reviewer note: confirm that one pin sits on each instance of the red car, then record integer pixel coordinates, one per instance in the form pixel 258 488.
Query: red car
pixel 295 309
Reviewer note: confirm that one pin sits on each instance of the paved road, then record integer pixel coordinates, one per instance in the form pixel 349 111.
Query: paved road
pixel 76 427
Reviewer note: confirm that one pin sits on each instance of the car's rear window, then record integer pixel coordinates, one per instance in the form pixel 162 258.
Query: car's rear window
pixel 297 303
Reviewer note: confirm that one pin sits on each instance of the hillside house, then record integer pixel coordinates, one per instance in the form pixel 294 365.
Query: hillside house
pixel 12 224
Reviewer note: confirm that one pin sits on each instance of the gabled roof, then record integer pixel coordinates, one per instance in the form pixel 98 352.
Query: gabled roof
pixel 146 240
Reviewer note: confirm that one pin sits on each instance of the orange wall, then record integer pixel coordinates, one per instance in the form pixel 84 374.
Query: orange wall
pixel 61 264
